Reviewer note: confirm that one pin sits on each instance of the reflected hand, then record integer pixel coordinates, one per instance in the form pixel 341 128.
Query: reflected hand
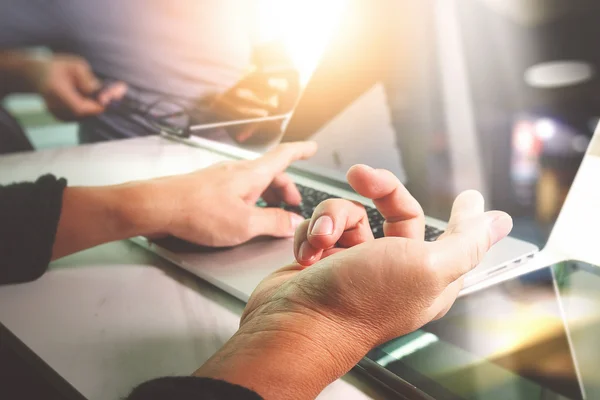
pixel 258 95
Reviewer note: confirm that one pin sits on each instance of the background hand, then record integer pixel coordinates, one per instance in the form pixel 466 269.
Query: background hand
pixel 68 86
pixel 216 206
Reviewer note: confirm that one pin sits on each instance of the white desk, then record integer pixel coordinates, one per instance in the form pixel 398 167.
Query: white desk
pixel 112 317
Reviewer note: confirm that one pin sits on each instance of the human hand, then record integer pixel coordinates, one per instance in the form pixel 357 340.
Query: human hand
pixel 358 292
pixel 258 95
pixel 70 88
pixel 216 205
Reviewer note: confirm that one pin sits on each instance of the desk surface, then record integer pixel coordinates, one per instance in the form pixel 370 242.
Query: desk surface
pixel 109 318
pixel 112 317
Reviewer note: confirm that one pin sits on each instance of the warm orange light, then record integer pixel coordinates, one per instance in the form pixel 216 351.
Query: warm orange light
pixel 304 27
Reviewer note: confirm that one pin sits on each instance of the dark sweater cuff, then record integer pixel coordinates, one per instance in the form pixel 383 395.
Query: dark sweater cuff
pixel 29 213
pixel 191 388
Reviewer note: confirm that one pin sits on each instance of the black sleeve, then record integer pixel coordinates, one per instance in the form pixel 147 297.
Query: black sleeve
pixel 191 388
pixel 29 214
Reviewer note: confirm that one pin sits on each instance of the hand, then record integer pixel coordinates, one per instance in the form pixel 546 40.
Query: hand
pixel 388 287
pixel 68 86
pixel 359 292
pixel 216 206
pixel 258 95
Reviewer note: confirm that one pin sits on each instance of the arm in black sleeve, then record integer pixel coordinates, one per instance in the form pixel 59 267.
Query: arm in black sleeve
pixel 191 388
pixel 29 215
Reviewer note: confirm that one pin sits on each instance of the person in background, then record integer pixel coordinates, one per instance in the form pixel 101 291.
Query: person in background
pixel 346 293
pixel 66 83
pixel 188 54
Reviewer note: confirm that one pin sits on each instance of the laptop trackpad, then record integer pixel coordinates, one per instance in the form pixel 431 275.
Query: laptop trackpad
pixel 237 270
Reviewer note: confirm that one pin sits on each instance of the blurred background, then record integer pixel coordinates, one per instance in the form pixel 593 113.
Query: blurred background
pixel 496 95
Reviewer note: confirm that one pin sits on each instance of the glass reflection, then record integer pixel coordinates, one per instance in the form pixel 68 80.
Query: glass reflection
pixel 534 337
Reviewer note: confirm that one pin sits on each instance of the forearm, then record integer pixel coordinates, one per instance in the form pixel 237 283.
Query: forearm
pixel 19 72
pixel 95 215
pixel 285 362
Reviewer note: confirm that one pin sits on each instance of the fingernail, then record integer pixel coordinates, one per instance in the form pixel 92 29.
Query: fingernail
pixel 323 226
pixel 305 252
pixel 501 224
pixel 296 220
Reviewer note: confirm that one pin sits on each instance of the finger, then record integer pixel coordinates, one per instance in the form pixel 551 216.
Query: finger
pixel 278 84
pixel 273 222
pixel 85 80
pixel 230 108
pixel 78 105
pixel 265 84
pixel 271 198
pixel 276 161
pixel 304 252
pixel 250 98
pixel 285 189
pixel 466 242
pixel 241 135
pixel 468 204
pixel 114 92
pixel 403 214
pixel 338 221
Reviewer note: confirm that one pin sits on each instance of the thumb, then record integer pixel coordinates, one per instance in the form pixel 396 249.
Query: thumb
pixel 273 222
pixel 85 80
pixel 465 243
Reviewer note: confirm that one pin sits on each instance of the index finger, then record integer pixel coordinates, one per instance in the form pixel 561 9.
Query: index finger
pixel 276 160
pixel 402 212
pixel 79 105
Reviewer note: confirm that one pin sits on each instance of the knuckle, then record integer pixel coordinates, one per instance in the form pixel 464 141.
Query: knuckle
pixel 331 204
pixel 247 225
pixel 430 271
pixel 478 248
pixel 282 220
pixel 227 166
pixel 286 146
pixel 288 149
pixel 427 260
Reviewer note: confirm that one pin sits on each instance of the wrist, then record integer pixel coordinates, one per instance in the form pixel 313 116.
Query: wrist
pixel 35 71
pixel 285 356
pixel 140 211
pixel 25 72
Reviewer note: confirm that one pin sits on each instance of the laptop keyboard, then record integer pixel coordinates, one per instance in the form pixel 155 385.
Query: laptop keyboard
pixel 312 197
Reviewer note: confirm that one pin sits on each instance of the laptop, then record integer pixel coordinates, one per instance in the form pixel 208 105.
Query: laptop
pixel 238 270
pixel 523 164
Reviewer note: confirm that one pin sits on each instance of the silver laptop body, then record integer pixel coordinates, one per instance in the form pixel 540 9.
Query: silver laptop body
pixel 238 270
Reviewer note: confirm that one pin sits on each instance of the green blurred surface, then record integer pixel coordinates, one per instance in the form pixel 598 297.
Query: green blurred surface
pixel 43 130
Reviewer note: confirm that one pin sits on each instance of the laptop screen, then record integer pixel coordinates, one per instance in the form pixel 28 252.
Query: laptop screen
pixel 453 95
pixel 494 95
pixel 534 337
